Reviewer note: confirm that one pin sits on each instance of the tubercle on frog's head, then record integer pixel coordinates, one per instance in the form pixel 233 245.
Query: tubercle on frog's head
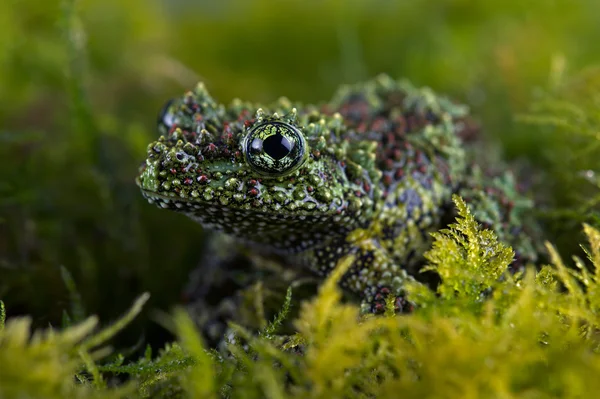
pixel 277 162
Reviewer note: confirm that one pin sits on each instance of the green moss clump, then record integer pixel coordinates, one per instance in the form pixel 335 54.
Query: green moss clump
pixel 566 116
pixel 533 334
pixel 57 364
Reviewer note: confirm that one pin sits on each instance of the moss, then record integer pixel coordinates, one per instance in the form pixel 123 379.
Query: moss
pixel 533 334
pixel 566 115
pixel 58 364
pixel 528 337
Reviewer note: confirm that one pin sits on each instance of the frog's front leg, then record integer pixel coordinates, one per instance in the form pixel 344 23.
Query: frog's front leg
pixel 213 293
pixel 234 283
pixel 374 275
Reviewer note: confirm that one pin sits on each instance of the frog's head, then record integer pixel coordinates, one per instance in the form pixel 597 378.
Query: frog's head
pixel 277 177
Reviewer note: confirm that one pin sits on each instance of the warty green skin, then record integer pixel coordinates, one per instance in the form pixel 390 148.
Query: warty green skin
pixel 370 173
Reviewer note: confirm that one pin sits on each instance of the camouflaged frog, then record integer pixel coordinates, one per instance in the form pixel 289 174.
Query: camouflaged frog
pixel 370 173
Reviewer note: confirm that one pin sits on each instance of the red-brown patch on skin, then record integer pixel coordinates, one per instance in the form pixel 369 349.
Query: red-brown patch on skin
pixel 243 115
pixel 355 110
pixel 387 180
pixel 400 125
pixel 362 128
pixel 326 109
pixel 379 125
pixel 510 206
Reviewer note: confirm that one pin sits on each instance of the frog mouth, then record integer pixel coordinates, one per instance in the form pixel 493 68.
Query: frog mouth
pixel 167 202
pixel 199 207
pixel 287 232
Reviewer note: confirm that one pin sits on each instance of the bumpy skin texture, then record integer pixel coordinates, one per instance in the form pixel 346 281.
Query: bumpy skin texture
pixel 370 173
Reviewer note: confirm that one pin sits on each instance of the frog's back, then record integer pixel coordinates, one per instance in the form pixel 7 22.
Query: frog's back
pixel 419 154
pixel 422 156
pixel 419 133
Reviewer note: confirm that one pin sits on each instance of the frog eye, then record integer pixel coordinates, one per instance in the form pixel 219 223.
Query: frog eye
pixel 275 148
pixel 166 118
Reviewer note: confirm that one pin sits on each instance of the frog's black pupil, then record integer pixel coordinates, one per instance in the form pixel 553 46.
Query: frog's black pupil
pixel 277 146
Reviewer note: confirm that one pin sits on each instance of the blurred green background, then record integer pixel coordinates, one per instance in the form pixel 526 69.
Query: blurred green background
pixel 81 84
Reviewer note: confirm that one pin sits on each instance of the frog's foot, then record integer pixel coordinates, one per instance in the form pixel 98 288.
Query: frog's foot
pixel 378 303
pixel 212 295
pixel 375 273
pixel 232 284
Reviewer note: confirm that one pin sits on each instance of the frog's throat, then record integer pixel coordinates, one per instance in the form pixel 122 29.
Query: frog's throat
pixel 290 232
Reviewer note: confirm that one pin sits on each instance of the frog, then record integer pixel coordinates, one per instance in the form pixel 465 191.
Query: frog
pixel 369 174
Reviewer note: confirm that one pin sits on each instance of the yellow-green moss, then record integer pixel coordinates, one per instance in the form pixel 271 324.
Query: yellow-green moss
pixel 534 334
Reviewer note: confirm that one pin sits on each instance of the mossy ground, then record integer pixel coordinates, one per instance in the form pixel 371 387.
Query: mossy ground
pixel 80 85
